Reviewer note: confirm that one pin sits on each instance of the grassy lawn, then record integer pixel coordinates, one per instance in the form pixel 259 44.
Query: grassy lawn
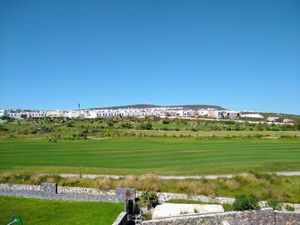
pixel 140 156
pixel 37 211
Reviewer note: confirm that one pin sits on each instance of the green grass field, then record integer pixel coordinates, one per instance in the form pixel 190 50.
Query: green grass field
pixel 140 156
pixel 54 212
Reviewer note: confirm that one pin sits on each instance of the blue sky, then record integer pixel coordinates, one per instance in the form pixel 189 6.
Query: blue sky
pixel 237 54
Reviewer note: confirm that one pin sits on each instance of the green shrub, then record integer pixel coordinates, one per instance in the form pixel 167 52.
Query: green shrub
pixel 145 126
pixel 245 202
pixel 149 199
pixel 2 128
pixel 289 207
pixel 126 125
pixel 274 204
pixel 166 121
pixel 70 124
pixel 22 177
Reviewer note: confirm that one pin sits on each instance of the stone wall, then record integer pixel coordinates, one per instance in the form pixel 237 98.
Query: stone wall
pixel 52 191
pixel 35 190
pixel 80 190
pixel 263 217
pixel 287 218
pixel 163 197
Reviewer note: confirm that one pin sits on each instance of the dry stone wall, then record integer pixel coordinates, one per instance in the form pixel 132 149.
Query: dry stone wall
pixel 80 190
pixel 52 191
pixel 61 191
pixel 263 217
pixel 287 218
pixel 164 196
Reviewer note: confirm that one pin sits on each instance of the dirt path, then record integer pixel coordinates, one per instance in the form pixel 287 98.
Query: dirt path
pixel 208 177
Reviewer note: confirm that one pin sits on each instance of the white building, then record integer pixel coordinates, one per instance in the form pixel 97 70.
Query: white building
pixel 57 113
pixel 252 115
pixel 36 114
pixel 287 120
pixel 174 112
pixel 202 112
pixel 90 114
pixel 273 119
pixel 215 114
pixel 3 112
pixel 28 114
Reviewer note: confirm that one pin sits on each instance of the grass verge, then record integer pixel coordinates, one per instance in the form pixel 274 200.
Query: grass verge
pixel 264 186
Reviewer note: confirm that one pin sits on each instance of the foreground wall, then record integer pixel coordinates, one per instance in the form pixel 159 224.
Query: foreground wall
pixel 52 191
pixel 287 218
pixel 262 217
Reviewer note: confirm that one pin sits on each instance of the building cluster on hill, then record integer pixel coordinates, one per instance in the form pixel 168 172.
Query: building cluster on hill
pixel 179 112
pixel 171 112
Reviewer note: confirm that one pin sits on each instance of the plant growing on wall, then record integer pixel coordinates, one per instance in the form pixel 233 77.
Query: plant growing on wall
pixel 274 204
pixel 149 199
pixel 246 202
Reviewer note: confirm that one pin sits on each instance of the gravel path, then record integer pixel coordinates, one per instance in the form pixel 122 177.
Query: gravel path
pixel 288 174
pixel 208 177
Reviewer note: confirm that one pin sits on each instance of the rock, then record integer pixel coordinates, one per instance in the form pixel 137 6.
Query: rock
pixel 171 209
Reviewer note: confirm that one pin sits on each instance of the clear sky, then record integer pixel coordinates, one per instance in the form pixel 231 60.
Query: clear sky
pixel 236 54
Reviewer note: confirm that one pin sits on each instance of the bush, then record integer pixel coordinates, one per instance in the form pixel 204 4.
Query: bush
pixel 149 199
pixel 44 129
pixel 245 202
pixel 52 139
pixel 146 126
pixel 83 134
pixel 110 123
pixel 2 128
pixel 289 208
pixel 70 124
pixel 166 121
pixel 274 205
pixel 126 125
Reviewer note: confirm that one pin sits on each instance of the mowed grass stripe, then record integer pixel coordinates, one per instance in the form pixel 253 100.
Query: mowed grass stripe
pixel 151 155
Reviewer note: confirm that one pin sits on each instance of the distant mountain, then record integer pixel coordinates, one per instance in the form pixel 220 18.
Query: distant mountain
pixel 144 106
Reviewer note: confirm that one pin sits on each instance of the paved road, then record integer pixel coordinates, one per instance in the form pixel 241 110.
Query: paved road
pixel 208 177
